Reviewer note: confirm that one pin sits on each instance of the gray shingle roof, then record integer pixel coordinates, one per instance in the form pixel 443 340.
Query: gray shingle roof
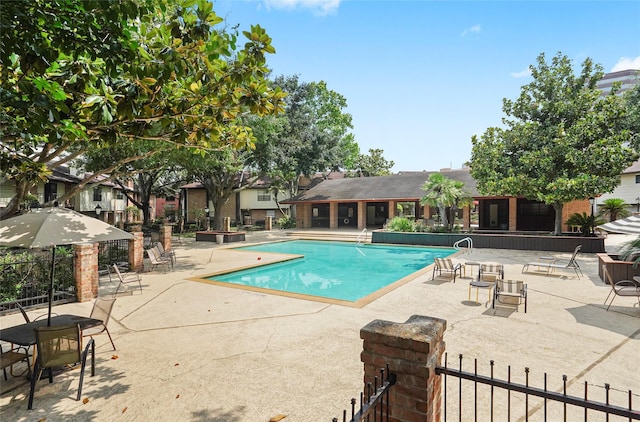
pixel 405 186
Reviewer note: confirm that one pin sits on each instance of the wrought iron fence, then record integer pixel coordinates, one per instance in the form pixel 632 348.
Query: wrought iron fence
pixel 502 395
pixel 113 252
pixel 25 277
pixel 374 400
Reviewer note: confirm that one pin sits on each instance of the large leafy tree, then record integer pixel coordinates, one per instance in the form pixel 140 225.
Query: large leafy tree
pixel 311 136
pixel 632 119
pixel 372 164
pixel 561 140
pixel 160 73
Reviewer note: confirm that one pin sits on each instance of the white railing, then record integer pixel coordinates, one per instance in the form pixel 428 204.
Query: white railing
pixel 363 234
pixel 468 241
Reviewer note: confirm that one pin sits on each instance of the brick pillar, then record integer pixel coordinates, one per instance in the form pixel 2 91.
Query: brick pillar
pixel 85 270
pixel 268 223
pixel 362 215
pixel 413 350
pixel 466 217
pixel 165 236
pixel 136 252
pixel 513 214
pixel 333 215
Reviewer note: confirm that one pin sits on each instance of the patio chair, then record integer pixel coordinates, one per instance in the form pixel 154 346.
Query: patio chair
pixel 496 270
pixel 10 357
pixel 126 278
pixel 170 253
pixel 156 259
pixel 101 310
pixel 447 265
pixel 550 264
pixel 59 346
pixel 624 288
pixel 510 289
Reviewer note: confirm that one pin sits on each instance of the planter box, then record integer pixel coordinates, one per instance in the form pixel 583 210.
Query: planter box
pixel 495 241
pixel 212 236
pixel 619 270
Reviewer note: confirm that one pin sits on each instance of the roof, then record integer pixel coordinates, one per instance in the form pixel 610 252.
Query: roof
pixel 633 168
pixel 405 186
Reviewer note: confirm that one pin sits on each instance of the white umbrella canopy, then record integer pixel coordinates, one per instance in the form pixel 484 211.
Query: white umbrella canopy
pixel 628 225
pixel 46 227
pixel 49 227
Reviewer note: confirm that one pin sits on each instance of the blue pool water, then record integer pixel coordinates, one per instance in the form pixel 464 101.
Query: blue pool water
pixel 336 270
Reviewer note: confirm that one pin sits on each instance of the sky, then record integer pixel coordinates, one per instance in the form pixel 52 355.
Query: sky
pixel 422 77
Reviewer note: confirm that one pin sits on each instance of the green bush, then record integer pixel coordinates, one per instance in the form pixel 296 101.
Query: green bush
pixel 286 222
pixel 420 226
pixel 400 224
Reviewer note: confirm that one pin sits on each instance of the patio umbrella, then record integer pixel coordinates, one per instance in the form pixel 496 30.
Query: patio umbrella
pixel 629 225
pixel 50 227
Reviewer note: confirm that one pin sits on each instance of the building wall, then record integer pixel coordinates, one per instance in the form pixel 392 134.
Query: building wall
pixel 628 190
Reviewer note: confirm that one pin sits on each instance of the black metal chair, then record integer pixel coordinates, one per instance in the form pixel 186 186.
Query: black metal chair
pixel 512 289
pixel 59 346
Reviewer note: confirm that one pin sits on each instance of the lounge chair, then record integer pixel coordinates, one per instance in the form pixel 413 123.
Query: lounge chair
pixel 510 289
pixel 624 288
pixel 551 264
pixel 447 265
pixel 168 253
pixel 10 357
pixel 156 259
pixel 126 278
pixel 496 270
pixel 59 346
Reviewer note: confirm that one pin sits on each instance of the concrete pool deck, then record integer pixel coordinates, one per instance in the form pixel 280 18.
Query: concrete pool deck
pixel 191 351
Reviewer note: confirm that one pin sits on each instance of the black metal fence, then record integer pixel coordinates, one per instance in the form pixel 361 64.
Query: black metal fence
pixel 501 396
pixel 25 277
pixel 374 400
pixel 113 252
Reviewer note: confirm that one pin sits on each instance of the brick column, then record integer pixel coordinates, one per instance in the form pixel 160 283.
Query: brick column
pixel 466 217
pixel 333 215
pixel 165 236
pixel 513 214
pixel 362 215
pixel 85 270
pixel 136 252
pixel 268 223
pixel 413 350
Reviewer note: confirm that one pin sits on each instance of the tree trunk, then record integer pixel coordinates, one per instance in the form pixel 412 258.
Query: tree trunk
pixel 558 221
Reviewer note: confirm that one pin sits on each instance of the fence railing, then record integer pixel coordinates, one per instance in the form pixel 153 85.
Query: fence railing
pixel 113 252
pixel 374 400
pixel 532 399
pixel 25 277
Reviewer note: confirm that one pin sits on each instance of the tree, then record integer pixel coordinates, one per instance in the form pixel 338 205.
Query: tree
pixel 162 73
pixel 632 118
pixel 311 136
pixel 614 207
pixel 561 141
pixel 373 164
pixel 446 194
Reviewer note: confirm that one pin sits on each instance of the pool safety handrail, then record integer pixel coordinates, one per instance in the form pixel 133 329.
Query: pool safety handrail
pixel 469 242
pixel 362 234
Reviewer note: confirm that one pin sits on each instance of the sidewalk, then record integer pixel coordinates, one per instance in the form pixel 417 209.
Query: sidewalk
pixel 190 351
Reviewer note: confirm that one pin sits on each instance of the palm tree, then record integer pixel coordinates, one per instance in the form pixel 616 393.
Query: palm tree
pixel 615 208
pixel 444 193
pixel 631 252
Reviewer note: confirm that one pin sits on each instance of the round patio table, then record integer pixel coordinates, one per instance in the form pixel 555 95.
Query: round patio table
pixel 478 284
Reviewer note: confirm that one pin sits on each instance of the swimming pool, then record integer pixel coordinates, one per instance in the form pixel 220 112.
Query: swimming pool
pixel 339 271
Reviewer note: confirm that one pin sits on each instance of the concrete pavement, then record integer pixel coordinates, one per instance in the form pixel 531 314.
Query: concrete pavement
pixel 191 351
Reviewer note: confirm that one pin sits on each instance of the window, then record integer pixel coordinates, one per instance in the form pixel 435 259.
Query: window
pixel 97 193
pixel 637 178
pixel 119 195
pixel 50 191
pixel 264 195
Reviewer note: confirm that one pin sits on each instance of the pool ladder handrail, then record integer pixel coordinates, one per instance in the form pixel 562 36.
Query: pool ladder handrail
pixel 468 240
pixel 362 234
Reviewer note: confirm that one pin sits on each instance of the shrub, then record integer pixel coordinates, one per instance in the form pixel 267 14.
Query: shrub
pixel 286 222
pixel 400 224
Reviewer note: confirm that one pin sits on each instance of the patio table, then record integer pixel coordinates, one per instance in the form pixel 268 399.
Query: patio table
pixel 24 334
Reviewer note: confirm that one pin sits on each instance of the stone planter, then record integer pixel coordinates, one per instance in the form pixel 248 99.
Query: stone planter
pixel 619 270
pixel 215 236
pixel 516 241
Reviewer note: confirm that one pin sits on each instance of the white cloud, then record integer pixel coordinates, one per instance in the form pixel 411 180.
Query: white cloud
pixel 627 63
pixel 322 7
pixel 475 29
pixel 521 74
